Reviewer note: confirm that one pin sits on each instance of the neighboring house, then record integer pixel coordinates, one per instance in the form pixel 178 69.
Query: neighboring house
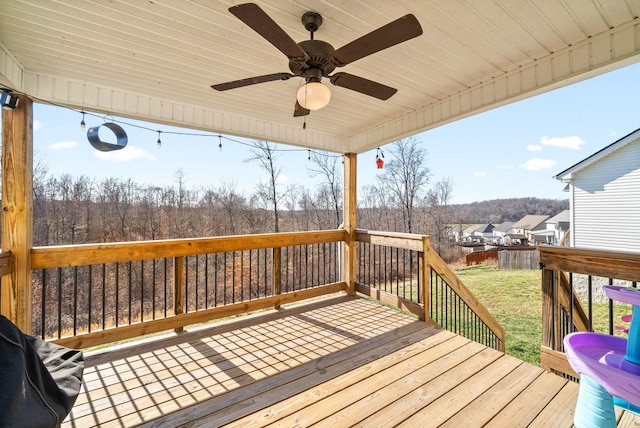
pixel 455 234
pixel 500 232
pixel 483 232
pixel 468 236
pixel 526 227
pixel 559 224
pixel 604 197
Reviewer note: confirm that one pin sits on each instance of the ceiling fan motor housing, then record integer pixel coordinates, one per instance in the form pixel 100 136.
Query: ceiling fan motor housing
pixel 319 53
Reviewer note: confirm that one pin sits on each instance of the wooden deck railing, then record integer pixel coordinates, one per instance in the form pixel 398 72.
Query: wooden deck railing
pixel 86 295
pixel 573 300
pixel 404 271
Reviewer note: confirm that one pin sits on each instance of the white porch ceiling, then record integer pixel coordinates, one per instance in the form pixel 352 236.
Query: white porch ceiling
pixel 155 60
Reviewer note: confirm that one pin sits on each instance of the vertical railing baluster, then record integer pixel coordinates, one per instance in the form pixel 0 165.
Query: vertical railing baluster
pixel 215 280
pixel 206 281
pixel 277 273
pixel 74 310
pixel 153 288
pixel 179 288
pixel 90 297
pixel 104 296
pixel 166 302
pixel 43 305
pixel 141 290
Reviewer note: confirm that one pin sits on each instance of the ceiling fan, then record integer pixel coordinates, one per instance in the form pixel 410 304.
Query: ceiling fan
pixel 315 59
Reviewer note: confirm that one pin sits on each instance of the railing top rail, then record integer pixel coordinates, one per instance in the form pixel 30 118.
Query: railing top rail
pixel 608 264
pixel 86 254
pixel 407 241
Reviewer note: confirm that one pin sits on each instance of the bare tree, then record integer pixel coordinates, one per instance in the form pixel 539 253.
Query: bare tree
pixel 405 177
pixel 328 168
pixel 231 201
pixel 263 153
pixel 438 200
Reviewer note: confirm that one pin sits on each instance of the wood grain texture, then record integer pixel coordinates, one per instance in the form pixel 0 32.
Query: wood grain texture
pixel 340 361
pixel 17 211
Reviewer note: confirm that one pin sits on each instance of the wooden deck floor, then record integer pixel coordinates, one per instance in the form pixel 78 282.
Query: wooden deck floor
pixel 334 363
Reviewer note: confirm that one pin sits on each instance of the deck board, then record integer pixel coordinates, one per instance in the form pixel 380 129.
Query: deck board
pixel 336 362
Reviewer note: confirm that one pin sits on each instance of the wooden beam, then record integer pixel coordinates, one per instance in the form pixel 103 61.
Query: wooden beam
pixel 350 200
pixel 113 252
pixel 17 210
pixel 556 361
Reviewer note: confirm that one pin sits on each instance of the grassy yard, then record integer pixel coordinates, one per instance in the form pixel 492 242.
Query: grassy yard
pixel 514 298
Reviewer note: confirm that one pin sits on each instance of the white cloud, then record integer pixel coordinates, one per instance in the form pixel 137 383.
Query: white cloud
pixel 37 125
pixel 574 142
pixel 62 145
pixel 614 134
pixel 534 148
pixel 505 167
pixel 536 164
pixel 127 154
pixel 479 173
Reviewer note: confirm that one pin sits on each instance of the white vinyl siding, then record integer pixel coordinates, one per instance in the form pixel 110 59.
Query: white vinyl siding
pixel 606 202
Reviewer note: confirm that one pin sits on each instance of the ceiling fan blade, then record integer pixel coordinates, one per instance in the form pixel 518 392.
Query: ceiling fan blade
pixel 395 32
pixel 256 18
pixel 362 85
pixel 251 81
pixel 298 110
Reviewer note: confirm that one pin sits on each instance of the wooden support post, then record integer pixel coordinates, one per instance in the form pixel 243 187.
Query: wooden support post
pixel 179 297
pixel 548 309
pixel 17 211
pixel 425 278
pixel 277 274
pixel 349 214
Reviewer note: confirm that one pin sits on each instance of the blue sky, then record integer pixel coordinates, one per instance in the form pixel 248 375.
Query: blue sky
pixel 512 151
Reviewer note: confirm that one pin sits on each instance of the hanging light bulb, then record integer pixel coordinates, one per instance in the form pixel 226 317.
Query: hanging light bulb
pixel 313 95
pixel 159 143
pixel 82 124
pixel 309 157
pixel 220 144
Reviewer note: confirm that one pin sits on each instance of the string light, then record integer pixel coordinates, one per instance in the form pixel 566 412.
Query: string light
pixel 109 118
pixel 309 155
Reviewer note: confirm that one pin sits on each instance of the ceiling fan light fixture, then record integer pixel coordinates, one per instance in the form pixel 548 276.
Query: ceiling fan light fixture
pixel 313 95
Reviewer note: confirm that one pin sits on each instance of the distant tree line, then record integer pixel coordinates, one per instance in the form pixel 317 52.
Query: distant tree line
pixel 497 211
pixel 80 209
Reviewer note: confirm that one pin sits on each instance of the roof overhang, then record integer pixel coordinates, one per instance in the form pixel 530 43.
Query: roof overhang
pixel 568 174
pixel 156 60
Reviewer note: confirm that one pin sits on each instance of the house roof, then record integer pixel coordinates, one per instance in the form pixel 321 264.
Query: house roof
pixel 567 174
pixel 157 60
pixel 530 221
pixel 470 229
pixel 562 216
pixel 485 228
pixel 504 226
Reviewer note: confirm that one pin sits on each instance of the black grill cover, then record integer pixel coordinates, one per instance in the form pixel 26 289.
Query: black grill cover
pixel 39 380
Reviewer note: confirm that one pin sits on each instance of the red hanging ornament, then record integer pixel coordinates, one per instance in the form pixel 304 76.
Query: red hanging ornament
pixel 379 163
